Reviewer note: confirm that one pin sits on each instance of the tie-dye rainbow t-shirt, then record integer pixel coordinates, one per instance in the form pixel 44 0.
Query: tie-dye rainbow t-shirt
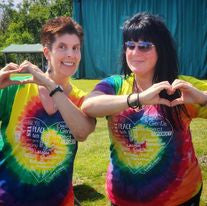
pixel 36 161
pixel 152 163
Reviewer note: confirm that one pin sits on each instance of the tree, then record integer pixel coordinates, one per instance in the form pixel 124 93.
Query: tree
pixel 60 8
pixel 7 13
pixel 22 24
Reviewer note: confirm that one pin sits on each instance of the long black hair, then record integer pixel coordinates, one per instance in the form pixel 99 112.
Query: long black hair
pixel 151 28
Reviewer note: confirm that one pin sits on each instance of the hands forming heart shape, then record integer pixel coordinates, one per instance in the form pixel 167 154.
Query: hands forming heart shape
pixel 179 92
pixel 37 76
pixel 172 98
pixel 165 95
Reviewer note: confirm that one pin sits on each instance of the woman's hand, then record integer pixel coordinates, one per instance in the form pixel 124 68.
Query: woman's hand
pixel 189 94
pixel 151 95
pixel 5 73
pixel 38 76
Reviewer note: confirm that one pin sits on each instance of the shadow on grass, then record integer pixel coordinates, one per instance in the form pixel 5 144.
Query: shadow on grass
pixel 85 192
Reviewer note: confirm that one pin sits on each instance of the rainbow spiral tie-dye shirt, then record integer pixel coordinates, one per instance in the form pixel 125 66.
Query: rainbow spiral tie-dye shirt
pixel 152 163
pixel 38 151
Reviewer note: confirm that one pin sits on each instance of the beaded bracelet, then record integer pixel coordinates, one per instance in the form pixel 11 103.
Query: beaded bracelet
pixel 135 104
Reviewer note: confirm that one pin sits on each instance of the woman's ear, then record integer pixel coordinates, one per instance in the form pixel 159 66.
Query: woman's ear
pixel 46 53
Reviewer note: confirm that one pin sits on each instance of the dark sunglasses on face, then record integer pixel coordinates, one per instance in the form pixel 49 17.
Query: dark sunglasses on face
pixel 143 46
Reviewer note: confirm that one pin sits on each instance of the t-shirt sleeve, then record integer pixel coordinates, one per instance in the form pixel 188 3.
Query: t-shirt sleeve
pixel 196 109
pixel 77 96
pixel 110 85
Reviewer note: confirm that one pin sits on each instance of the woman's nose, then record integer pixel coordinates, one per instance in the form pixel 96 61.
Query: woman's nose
pixel 69 52
pixel 136 50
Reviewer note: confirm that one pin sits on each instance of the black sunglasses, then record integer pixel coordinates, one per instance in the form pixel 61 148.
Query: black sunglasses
pixel 143 46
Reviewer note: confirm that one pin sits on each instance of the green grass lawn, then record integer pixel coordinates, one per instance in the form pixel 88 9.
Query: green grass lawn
pixel 93 157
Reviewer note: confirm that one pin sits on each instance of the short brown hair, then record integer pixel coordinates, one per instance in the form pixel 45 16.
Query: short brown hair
pixel 58 26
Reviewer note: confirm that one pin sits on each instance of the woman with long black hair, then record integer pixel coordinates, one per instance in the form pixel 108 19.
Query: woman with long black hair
pixel 149 111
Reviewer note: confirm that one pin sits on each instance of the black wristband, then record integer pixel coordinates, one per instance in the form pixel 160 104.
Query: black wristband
pixel 58 88
pixel 135 103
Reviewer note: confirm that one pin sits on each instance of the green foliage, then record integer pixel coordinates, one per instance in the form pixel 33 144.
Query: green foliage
pixel 22 24
pixel 18 35
pixel 6 14
pixel 61 8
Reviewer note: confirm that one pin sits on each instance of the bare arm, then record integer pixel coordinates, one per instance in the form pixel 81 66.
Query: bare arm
pixel 98 104
pixel 79 123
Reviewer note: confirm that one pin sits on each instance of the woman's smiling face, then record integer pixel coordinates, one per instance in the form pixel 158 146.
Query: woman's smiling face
pixel 64 56
pixel 141 62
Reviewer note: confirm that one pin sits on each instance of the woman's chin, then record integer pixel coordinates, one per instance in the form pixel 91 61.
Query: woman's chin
pixel 68 72
pixel 137 70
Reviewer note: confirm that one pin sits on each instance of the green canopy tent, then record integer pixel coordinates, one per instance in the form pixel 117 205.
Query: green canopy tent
pixel 25 51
